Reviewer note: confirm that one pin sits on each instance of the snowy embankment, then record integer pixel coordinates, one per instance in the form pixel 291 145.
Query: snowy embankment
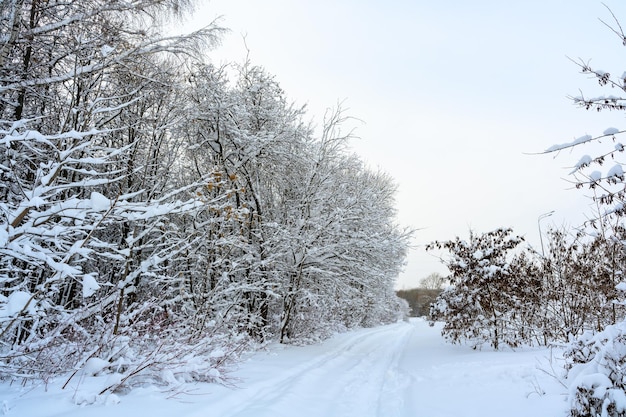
pixel 404 369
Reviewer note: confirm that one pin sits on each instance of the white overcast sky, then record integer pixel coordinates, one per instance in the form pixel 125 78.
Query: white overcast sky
pixel 453 96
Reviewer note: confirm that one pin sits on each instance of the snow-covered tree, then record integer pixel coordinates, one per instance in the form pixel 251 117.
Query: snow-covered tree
pixel 158 214
pixel 482 292
pixel 306 207
pixel 82 122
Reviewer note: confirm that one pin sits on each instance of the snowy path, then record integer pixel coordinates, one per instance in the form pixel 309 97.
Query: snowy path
pixel 358 376
pixel 403 369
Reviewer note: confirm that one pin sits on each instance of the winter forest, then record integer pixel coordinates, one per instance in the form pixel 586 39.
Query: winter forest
pixel 163 214
pixel 160 215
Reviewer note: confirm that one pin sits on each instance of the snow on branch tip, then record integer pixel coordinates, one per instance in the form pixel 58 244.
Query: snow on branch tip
pixel 611 131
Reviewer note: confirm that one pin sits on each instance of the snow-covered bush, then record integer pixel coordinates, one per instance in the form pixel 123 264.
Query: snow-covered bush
pixel 480 303
pixel 596 373
pixel 579 278
pixel 527 298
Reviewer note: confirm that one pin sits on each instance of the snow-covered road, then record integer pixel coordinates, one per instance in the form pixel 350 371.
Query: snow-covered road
pixel 404 369
pixel 357 375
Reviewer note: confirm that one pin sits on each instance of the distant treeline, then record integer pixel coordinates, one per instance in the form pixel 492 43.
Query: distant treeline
pixel 419 300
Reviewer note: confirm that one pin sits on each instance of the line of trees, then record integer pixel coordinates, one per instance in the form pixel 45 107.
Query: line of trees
pixel 160 215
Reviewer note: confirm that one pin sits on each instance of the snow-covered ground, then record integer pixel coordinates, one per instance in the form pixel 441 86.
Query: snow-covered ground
pixel 404 369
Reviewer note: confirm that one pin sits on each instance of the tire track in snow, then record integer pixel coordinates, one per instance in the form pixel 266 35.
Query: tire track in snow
pixel 359 376
pixel 396 382
pixel 368 390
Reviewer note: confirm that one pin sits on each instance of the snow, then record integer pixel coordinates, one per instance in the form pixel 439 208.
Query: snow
pixel 595 176
pixel 12 305
pixel 90 286
pixel 578 141
pixel 217 353
pixel 99 202
pixel 600 373
pixel 4 235
pixel 616 171
pixel 93 366
pixel 584 161
pixel 404 369
pixel 105 50
pixel 611 131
